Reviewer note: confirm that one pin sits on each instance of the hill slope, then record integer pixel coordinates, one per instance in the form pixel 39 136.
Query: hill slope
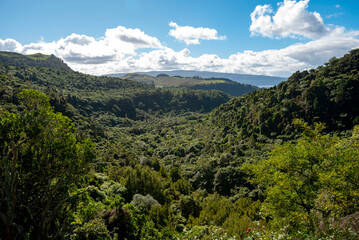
pixel 222 84
pixel 35 60
pixel 109 97
pixel 328 94
pixel 211 150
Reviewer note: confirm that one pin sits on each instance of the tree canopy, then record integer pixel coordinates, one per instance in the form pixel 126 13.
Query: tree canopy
pixel 41 159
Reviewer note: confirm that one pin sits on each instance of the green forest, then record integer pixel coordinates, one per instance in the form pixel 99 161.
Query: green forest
pixel 196 82
pixel 96 157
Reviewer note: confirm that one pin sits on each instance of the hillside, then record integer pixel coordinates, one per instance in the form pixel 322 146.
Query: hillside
pixel 256 80
pixel 35 60
pixel 222 154
pixel 165 81
pixel 328 94
pixel 109 97
pixel 131 161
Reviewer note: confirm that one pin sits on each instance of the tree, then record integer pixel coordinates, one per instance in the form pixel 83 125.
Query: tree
pixel 310 180
pixel 341 176
pixel 291 177
pixel 41 159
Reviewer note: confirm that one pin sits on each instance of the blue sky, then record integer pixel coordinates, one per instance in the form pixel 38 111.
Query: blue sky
pixel 240 36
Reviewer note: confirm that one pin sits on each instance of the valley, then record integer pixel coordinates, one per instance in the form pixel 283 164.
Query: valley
pixel 163 157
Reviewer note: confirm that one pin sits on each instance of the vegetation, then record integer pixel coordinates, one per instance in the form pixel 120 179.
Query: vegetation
pixel 41 160
pixel 323 95
pixel 36 60
pixel 86 157
pixel 105 97
pixel 222 84
pixel 307 182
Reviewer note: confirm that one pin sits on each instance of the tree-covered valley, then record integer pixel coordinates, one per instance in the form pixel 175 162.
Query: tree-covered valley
pixel 86 157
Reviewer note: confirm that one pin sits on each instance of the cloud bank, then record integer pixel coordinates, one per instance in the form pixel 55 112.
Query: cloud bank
pixel 124 49
pixel 103 56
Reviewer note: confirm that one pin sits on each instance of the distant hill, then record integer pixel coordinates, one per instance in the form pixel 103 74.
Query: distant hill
pixel 163 80
pixel 105 98
pixel 141 78
pixel 256 80
pixel 34 60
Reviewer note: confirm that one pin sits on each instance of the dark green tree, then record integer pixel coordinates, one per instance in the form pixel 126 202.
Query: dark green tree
pixel 41 159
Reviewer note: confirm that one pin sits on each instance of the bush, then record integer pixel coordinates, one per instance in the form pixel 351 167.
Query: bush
pixel 144 203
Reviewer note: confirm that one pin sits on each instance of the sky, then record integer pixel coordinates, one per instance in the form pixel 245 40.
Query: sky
pixel 263 37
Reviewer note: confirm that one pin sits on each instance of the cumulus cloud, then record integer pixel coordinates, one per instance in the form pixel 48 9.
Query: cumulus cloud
pixel 127 40
pixel 10 45
pixel 292 19
pixel 77 39
pixel 191 35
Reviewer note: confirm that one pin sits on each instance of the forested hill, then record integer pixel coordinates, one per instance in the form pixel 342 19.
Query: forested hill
pixel 196 82
pixel 109 97
pixel 35 60
pixel 328 94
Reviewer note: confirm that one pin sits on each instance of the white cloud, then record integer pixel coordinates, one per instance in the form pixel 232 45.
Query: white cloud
pixel 127 40
pixel 292 19
pixel 10 45
pixel 77 39
pixel 191 35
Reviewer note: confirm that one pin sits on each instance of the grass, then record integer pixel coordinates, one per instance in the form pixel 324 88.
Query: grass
pixel 38 56
pixel 13 55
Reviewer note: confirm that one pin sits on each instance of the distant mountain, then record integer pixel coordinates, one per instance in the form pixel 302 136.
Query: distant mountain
pixel 222 84
pixel 34 60
pixel 256 80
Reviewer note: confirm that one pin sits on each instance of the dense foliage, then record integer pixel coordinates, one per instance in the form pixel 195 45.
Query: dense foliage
pixel 36 60
pixel 311 181
pixel 329 94
pixel 105 97
pixel 160 168
pixel 41 159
